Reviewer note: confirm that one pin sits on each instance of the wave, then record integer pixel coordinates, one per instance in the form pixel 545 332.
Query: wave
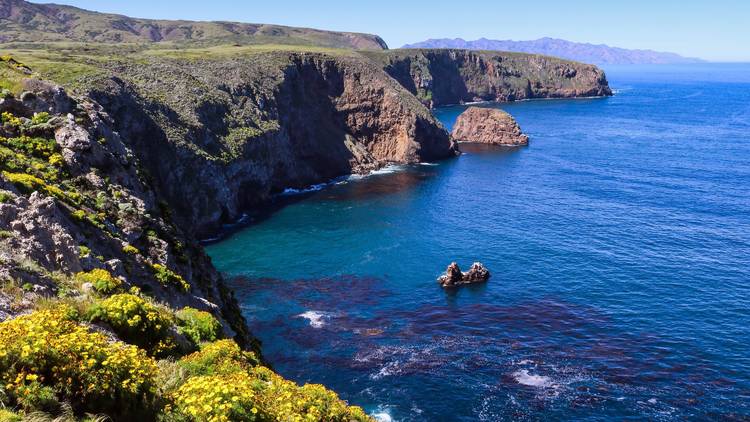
pixel 317 319
pixel 523 377
pixel 311 188
pixel 381 416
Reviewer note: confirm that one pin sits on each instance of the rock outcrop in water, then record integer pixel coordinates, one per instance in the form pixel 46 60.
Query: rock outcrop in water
pixel 488 126
pixel 454 277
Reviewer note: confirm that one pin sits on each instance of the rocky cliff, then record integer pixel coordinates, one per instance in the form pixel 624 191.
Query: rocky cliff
pixel 73 198
pixel 222 136
pixel 107 306
pixel 441 77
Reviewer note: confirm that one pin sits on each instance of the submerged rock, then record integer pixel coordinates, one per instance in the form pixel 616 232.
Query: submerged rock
pixel 488 126
pixel 454 277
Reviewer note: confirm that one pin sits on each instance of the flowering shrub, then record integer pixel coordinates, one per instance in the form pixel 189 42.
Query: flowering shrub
pixel 28 183
pixel 40 118
pixel 130 250
pixel 102 280
pixel 197 325
pixel 167 277
pixel 9 119
pixel 219 398
pixel 8 416
pixel 47 356
pixel 285 400
pixel 272 397
pixel 136 321
pixel 220 357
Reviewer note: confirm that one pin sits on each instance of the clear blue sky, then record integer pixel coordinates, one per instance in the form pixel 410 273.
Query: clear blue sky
pixel 714 30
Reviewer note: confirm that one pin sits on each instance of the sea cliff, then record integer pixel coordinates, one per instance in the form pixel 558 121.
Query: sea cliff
pixel 441 76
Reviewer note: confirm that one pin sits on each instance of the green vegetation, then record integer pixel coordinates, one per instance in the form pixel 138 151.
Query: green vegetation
pixel 130 250
pixel 5 196
pixel 47 357
pixel 167 277
pixel 51 362
pixel 101 280
pixel 199 326
pixel 136 321
pixel 41 23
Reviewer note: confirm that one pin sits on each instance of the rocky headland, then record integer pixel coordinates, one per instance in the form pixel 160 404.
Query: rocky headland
pixel 442 77
pixel 488 126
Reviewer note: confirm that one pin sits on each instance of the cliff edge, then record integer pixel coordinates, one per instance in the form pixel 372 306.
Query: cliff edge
pixel 441 77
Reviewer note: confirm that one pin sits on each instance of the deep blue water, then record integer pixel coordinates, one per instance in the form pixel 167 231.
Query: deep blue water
pixel 619 242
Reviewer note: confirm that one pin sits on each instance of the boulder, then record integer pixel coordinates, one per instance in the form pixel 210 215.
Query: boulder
pixel 488 126
pixel 454 277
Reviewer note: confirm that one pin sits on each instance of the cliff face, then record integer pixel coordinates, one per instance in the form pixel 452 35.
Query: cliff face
pixel 221 136
pixel 73 198
pixel 441 77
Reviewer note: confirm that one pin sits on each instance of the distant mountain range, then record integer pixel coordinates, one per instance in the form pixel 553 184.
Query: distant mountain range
pixel 581 52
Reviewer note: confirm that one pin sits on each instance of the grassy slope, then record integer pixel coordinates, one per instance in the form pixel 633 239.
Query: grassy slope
pixel 29 22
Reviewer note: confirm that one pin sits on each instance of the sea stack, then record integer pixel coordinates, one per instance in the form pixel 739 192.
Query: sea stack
pixel 488 126
pixel 454 277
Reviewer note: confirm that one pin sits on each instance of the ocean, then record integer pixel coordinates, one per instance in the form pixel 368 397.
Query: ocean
pixel 619 246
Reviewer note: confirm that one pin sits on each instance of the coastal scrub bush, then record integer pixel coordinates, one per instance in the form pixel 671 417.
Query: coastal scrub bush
pixel 46 357
pixel 285 400
pixel 102 281
pixel 84 251
pixel 219 398
pixel 28 183
pixel 136 321
pixel 8 416
pixel 266 395
pixel 130 250
pixel 40 118
pixel 219 357
pixel 7 118
pixel 198 326
pixel 167 277
pixel 5 196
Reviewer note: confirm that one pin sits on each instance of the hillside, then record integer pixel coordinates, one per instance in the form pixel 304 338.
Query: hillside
pixel 21 21
pixel 581 52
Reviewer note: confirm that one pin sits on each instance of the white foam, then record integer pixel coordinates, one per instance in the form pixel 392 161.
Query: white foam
pixel 312 188
pixel 382 417
pixel 523 377
pixel 317 319
pixel 428 164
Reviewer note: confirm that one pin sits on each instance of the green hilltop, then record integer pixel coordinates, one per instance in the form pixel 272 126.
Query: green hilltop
pixel 21 21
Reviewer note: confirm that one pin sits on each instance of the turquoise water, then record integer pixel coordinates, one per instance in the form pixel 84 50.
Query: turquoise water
pixel 619 242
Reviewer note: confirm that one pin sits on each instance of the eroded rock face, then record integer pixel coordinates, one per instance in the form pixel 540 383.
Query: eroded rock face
pixel 488 126
pixel 222 136
pixel 93 203
pixel 446 76
pixel 454 277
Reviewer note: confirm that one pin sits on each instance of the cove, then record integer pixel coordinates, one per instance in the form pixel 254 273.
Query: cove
pixel 619 242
